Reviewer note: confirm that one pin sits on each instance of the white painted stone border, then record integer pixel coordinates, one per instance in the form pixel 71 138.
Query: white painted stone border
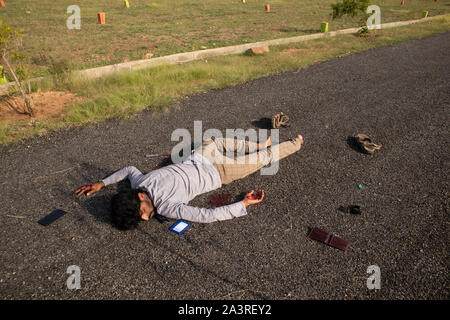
pixel 201 54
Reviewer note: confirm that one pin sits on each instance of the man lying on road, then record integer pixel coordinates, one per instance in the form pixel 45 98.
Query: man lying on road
pixel 168 190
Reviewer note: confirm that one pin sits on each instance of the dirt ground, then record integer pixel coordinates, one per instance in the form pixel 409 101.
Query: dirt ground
pixel 47 105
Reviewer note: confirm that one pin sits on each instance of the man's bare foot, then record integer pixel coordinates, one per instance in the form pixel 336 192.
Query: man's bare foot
pixel 300 138
pixel 265 145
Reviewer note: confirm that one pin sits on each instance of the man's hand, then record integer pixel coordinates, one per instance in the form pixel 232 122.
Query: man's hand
pixel 251 198
pixel 90 188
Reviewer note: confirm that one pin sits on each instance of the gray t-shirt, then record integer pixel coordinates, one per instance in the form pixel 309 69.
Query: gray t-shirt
pixel 171 188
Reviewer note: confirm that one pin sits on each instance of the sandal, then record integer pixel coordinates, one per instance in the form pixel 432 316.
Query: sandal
pixel 366 144
pixel 280 120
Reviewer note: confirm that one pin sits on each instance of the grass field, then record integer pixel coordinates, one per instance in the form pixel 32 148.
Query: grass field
pixel 122 95
pixel 164 27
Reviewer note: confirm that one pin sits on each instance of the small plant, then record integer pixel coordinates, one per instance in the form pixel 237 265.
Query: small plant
pixel 363 30
pixel 352 8
pixel 13 59
pixel 60 70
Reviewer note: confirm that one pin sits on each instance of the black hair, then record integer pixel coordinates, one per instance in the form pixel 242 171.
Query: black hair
pixel 125 209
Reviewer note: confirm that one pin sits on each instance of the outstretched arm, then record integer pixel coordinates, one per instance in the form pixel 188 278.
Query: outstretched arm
pixel 131 173
pixel 203 215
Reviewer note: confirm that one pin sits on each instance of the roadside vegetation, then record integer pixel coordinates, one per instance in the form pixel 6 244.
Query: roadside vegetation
pixel 163 27
pixel 123 95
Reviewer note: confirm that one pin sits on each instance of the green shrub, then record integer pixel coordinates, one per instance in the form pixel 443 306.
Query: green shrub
pixel 352 8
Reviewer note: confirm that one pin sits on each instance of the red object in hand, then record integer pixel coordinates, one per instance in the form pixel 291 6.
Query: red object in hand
pixel 255 196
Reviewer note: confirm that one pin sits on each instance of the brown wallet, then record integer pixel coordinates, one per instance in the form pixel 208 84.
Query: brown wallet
pixel 330 239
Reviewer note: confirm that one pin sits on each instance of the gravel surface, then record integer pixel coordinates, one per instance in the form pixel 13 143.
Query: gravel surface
pixel 399 95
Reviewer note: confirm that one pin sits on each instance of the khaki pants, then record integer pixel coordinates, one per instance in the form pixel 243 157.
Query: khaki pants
pixel 247 160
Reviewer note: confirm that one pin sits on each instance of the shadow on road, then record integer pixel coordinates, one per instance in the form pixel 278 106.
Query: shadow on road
pixel 352 143
pixel 98 205
pixel 198 268
pixel 263 123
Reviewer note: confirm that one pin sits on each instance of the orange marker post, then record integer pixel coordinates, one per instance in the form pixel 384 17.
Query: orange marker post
pixel 267 7
pixel 101 17
pixel 402 3
pixel 2 3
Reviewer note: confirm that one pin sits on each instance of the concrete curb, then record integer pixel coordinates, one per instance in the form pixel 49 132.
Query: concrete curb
pixel 202 54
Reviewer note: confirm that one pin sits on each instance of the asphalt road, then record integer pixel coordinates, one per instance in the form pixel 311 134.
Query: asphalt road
pixel 399 95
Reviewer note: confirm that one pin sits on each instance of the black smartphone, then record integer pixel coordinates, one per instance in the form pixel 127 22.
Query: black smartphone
pixel 52 217
pixel 160 218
